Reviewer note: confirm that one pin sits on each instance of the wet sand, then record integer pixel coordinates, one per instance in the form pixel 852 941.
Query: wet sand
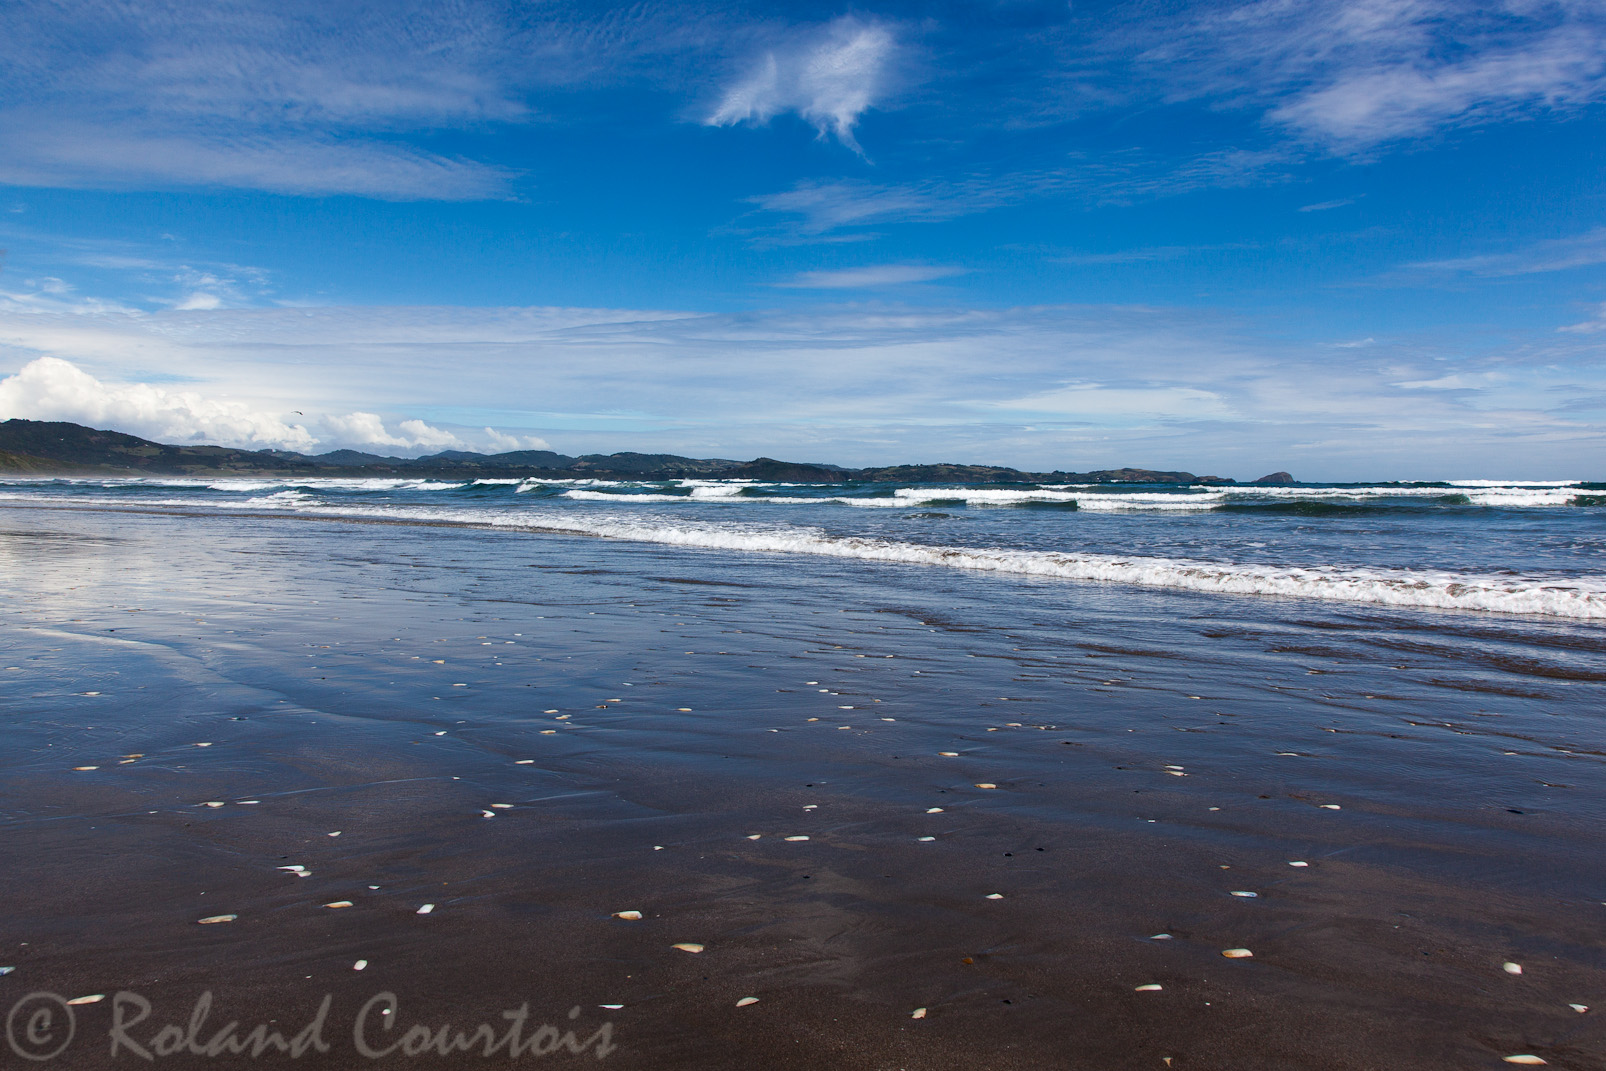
pixel 645 712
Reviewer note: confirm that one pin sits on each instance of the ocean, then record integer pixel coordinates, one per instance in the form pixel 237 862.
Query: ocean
pixel 1027 759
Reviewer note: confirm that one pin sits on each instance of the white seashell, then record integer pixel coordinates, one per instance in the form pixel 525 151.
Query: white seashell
pixel 1160 937
pixel 1523 1058
pixel 925 838
pixel 1237 953
pixel 205 743
pixel 995 896
pixel 1297 862
pixel 487 814
pixel 629 916
pixel 683 710
pixel 360 965
pixel 745 1001
pixel 339 904
pixel 336 833
pixel 524 762
pixel 554 711
pixel 426 909
pixel 1176 767
pixel 1176 773
pixel 294 868
pixel 754 836
pixel 212 803
pixel 247 803
pixel 688 947
pixel 502 806
pixel 1150 988
pixel 933 810
pixel 1579 1008
pixel 94 998
pixel 1511 968
pixel 1331 807
pixel 797 838
pixel 7 970
pixel 918 1013
pixel 949 754
pixel 210 919
pixel 549 732
pixel 1244 892
pixel 83 768
pixel 611 1007
pixel 811 806
pixel 985 784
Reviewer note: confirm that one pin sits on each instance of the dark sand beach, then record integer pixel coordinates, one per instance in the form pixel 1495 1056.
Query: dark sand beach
pixel 193 704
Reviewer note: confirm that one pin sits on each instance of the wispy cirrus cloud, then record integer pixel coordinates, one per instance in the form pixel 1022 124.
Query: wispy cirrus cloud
pixel 871 277
pixel 1555 254
pixel 829 75
pixel 1352 74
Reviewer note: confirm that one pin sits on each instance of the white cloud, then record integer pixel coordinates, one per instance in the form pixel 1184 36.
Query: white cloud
pixel 870 383
pixel 500 442
pixel 53 389
pixel 829 75
pixel 1351 74
pixel 1555 254
pixel 871 276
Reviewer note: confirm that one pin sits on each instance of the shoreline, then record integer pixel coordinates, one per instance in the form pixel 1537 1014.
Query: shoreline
pixel 1385 950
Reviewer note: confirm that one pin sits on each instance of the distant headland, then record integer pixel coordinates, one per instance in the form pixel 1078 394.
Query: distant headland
pixel 59 448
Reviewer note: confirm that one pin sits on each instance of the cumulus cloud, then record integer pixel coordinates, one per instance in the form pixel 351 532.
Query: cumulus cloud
pixel 828 75
pixel 367 431
pixel 50 388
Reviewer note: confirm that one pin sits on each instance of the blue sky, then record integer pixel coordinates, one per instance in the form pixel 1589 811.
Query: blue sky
pixel 1362 239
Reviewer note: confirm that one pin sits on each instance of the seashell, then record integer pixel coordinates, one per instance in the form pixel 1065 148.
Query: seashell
pixel 797 838
pixel 811 806
pixel 1237 953
pixel 611 1007
pixel 487 814
pixel 1331 807
pixel 889 719
pixel 1150 988
pixel 688 947
pixel 94 998
pixel 933 810
pixel 1176 767
pixel 754 836
pixel 985 784
pixel 1523 1058
pixel 548 732
pixel 83 768
pixel 1160 937
pixel 1176 773
pixel 949 754
pixel 426 909
pixel 360 965
pixel 204 743
pixel 336 833
pixel 1297 862
pixel 745 1001
pixel 1511 968
pixel 553 711
pixel 1579 1008
pixel 683 710
pixel 925 838
pixel 1244 892
pixel 294 868
pixel 918 1013
pixel 629 916
pixel 212 803
pixel 247 803
pixel 339 903
pixel 210 919
pixel 524 762
pixel 994 896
